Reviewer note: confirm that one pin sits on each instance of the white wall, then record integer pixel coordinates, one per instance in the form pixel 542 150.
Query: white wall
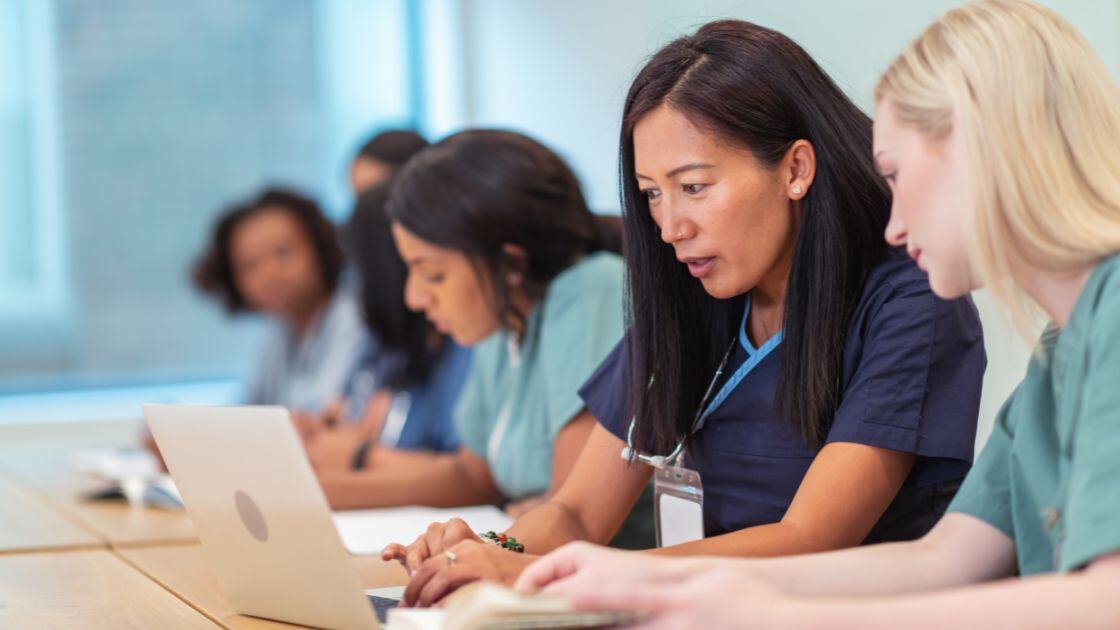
pixel 559 70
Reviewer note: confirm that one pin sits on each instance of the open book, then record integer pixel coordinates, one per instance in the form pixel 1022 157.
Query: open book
pixel 488 606
pixel 128 473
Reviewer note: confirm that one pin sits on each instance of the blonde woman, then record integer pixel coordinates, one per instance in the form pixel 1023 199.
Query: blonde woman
pixel 998 130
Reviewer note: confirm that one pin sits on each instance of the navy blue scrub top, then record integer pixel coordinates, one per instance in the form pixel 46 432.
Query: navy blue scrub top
pixel 912 370
pixel 428 425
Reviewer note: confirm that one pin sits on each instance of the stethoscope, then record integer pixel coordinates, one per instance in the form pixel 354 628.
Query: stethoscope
pixel 663 461
pixel 660 462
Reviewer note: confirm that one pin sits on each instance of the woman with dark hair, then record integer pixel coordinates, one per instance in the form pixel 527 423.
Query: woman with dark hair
pixel 792 381
pixel 404 392
pixel 363 399
pixel 503 255
pixel 383 155
pixel 278 255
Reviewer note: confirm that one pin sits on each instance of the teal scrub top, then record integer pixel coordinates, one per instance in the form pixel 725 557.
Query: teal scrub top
pixel 518 397
pixel 1049 476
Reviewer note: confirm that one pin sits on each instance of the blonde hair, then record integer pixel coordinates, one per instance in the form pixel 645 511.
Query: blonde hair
pixel 1037 120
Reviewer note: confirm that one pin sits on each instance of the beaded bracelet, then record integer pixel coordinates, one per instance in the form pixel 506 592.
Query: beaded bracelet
pixel 503 541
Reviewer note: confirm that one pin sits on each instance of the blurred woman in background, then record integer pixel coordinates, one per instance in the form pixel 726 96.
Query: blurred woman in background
pixel 278 255
pixel 403 395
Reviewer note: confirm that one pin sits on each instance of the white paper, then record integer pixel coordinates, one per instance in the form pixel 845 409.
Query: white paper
pixel 366 532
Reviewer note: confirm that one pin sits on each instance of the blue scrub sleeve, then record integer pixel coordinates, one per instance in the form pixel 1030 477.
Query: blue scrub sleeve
pixel 917 384
pixel 604 394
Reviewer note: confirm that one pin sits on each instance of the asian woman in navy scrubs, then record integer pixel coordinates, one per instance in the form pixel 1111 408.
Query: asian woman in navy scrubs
pixel 845 409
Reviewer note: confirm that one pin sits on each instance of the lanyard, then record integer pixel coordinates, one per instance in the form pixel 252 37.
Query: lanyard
pixel 754 357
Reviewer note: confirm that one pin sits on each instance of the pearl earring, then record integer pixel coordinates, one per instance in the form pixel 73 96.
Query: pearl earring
pixel 797 189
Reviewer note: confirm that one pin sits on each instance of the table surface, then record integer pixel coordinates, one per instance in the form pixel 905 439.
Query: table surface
pixel 86 589
pixel 28 523
pixel 41 461
pixel 184 570
pixel 67 562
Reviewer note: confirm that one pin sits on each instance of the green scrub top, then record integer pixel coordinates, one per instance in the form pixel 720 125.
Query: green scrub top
pixel 1049 476
pixel 517 398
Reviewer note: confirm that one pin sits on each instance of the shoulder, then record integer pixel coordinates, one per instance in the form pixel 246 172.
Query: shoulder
pixel 897 287
pixel 343 308
pixel 487 356
pixel 1104 299
pixel 1101 303
pixel 593 281
pixel 896 275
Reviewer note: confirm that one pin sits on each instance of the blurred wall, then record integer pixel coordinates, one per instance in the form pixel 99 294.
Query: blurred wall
pixel 559 70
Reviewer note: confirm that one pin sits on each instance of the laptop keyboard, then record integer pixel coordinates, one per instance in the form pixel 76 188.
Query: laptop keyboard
pixel 381 606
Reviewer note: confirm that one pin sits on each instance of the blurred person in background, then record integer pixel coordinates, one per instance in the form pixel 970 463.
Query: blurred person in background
pixel 402 396
pixel 278 255
pixel 373 166
pixel 381 156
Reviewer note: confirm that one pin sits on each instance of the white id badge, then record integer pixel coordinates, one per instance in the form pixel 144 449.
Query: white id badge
pixel 678 506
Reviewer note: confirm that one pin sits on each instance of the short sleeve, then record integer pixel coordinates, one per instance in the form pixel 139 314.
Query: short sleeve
pixel 916 385
pixel 604 394
pixel 581 325
pixel 475 412
pixel 1092 519
pixel 986 491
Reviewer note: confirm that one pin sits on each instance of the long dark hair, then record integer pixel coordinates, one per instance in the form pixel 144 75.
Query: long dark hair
pixel 213 273
pixel 368 241
pixel 757 88
pixel 478 191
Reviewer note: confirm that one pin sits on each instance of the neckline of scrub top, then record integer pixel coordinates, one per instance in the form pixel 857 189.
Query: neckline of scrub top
pixel 754 357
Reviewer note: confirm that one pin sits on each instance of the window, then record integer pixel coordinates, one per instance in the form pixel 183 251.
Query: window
pixel 125 127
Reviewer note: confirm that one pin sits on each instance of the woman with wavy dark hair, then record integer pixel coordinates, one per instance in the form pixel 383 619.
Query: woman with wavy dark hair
pixel 278 255
pixel 793 381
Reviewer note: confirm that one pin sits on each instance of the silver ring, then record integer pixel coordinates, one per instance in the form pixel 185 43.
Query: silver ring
pixel 451 556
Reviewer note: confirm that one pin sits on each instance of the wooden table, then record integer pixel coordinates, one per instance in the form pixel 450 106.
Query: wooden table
pixel 183 570
pixel 86 589
pixel 41 461
pixel 66 562
pixel 27 523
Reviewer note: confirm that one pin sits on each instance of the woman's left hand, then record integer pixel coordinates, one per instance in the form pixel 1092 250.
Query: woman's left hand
pixel 438 577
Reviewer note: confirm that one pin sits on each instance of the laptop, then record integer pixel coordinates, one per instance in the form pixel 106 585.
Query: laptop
pixel 263 521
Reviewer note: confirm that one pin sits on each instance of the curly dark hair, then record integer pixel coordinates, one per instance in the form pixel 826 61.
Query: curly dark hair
pixel 212 273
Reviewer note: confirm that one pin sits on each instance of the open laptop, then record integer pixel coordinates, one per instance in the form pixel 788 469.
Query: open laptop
pixel 262 518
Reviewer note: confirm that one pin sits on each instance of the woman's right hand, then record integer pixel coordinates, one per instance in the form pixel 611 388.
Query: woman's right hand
pixel 439 538
pixel 579 568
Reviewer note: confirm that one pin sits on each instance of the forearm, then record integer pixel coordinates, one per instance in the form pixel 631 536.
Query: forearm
pixel 1052 601
pixel 435 480
pixel 547 527
pixel 382 459
pixel 763 541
